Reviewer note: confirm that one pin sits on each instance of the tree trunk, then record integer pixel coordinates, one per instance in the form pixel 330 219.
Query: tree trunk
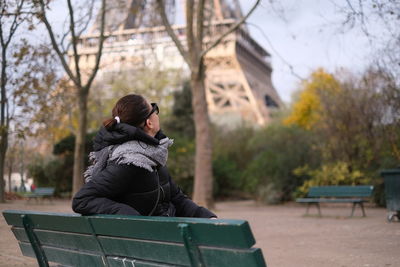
pixel 3 123
pixel 79 152
pixel 203 182
pixel 10 169
pixel 3 151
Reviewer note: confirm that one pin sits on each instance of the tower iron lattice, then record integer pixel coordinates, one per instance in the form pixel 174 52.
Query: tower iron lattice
pixel 238 70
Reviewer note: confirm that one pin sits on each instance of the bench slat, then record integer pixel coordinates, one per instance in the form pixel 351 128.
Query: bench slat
pixel 170 253
pixel 72 258
pixel 26 249
pixel 44 190
pixel 41 192
pixel 83 242
pixel 63 256
pixel 330 200
pixel 60 240
pixel 175 254
pixel 124 262
pixel 20 234
pixel 251 259
pixel 233 258
pixel 50 221
pixel 228 233
pixel 341 191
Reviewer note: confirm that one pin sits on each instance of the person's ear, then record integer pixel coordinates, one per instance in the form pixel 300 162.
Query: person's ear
pixel 148 123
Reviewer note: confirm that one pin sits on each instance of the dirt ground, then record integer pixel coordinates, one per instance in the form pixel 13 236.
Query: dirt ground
pixel 287 238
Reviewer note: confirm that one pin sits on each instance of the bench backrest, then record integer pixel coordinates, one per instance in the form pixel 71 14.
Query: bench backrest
pixel 341 191
pixel 48 191
pixel 113 240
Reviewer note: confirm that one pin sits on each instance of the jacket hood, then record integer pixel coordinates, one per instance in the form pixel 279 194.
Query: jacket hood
pixel 122 133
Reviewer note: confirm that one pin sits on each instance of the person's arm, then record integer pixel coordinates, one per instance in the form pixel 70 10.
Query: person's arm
pixel 185 207
pixel 88 201
pixel 97 196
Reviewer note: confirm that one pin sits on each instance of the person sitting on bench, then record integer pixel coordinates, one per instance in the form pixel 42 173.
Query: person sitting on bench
pixel 129 174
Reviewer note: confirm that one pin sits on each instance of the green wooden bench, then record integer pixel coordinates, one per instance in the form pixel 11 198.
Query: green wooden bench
pixel 115 240
pixel 337 194
pixel 40 193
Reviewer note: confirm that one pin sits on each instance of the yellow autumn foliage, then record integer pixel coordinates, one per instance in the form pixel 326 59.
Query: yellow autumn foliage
pixel 307 110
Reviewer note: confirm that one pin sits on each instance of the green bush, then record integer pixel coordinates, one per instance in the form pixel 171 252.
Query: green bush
pixel 180 122
pixel 56 170
pixel 277 151
pixel 181 162
pixel 227 176
pixel 52 172
pixel 36 170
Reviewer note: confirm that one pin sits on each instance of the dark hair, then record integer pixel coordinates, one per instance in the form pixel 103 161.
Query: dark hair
pixel 131 109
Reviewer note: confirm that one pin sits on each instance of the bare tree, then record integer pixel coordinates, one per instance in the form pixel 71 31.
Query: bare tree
pixel 193 54
pixel 385 42
pixel 11 17
pixel 81 82
pixel 379 22
pixel 387 90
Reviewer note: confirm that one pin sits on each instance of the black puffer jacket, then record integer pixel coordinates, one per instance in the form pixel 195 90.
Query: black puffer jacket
pixel 131 190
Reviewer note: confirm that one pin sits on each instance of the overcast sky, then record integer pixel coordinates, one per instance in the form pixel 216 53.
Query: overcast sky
pixel 308 35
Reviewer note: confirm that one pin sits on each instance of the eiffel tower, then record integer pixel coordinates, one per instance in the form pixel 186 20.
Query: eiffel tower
pixel 238 70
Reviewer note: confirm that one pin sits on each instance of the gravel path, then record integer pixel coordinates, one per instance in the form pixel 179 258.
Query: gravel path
pixel 286 237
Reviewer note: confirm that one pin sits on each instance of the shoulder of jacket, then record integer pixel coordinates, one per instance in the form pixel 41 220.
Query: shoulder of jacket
pixel 127 168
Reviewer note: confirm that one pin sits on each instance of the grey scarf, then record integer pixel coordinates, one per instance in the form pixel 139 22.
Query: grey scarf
pixel 131 153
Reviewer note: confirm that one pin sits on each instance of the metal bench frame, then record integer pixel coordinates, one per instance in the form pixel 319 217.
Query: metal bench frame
pixel 40 193
pixel 337 194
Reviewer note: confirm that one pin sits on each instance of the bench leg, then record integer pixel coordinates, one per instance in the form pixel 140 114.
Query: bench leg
pixel 354 207
pixel 318 207
pixel 362 208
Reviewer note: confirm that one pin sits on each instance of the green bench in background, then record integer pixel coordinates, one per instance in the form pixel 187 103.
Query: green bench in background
pixel 40 193
pixel 115 240
pixel 337 194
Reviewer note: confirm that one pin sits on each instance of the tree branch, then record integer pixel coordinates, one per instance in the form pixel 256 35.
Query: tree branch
pixel 290 66
pixel 65 35
pixel 77 23
pixel 89 19
pixel 170 31
pixel 101 42
pixel 8 117
pixel 2 43
pixel 199 25
pixel 5 41
pixel 74 41
pixel 191 42
pixel 14 24
pixel 231 29
pixel 55 45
